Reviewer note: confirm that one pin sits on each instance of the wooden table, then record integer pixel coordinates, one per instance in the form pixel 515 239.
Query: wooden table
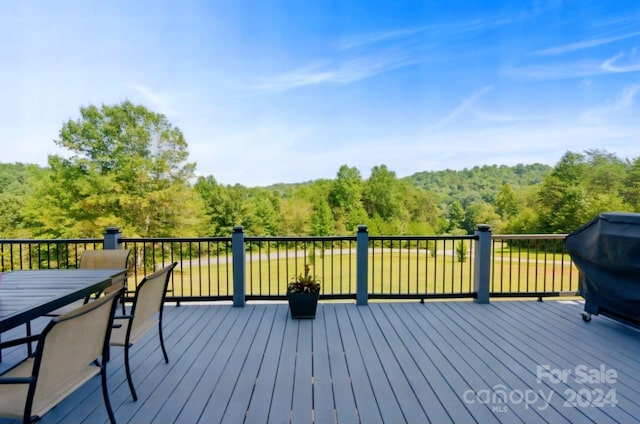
pixel 27 295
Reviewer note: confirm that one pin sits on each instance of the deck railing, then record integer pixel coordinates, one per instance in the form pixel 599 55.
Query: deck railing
pixel 531 265
pixel 357 267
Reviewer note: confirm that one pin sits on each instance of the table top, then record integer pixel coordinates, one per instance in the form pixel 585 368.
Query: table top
pixel 26 295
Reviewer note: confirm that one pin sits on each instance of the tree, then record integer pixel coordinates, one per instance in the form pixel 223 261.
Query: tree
pixel 127 168
pixel 422 207
pixel 506 204
pixel 456 216
pixel 526 221
pixel 322 223
pixel 378 196
pixel 17 182
pixel 345 199
pixel 225 206
pixel 607 172
pixel 563 202
pixel 582 186
pixel 631 190
pixel 263 213
pixel 482 213
pixel 382 196
pixel 461 251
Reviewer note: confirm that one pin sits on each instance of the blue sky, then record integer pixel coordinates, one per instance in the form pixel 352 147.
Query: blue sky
pixel 288 91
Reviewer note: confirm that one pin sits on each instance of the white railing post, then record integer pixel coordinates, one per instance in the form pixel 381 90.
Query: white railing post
pixel 362 265
pixel 482 270
pixel 238 261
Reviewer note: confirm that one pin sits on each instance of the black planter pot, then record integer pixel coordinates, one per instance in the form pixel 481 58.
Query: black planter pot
pixel 303 305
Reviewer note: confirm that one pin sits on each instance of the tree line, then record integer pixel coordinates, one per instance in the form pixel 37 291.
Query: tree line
pixel 127 167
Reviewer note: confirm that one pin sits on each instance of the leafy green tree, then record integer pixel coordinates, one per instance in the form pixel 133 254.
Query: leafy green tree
pixel 482 213
pixel 563 197
pixel 378 196
pixel 461 251
pixel 322 223
pixel 631 186
pixel 564 206
pixel 480 182
pixel 526 221
pixel 128 168
pixel 382 196
pixel 263 213
pixel 606 172
pixel 299 205
pixel 422 207
pixel 295 219
pixel 345 199
pixel 506 203
pixel 456 216
pixel 225 206
pixel 17 182
pixel 580 187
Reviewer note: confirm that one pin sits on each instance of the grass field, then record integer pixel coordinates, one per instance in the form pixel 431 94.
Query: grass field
pixel 398 271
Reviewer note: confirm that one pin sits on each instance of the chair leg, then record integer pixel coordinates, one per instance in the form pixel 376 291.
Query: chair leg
pixel 29 348
pixel 164 351
pixel 128 371
pixel 105 393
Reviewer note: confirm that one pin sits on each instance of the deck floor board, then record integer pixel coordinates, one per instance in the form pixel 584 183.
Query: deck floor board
pixel 405 362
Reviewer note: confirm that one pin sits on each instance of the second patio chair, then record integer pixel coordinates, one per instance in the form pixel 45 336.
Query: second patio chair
pixel 146 312
pixel 72 349
pixel 106 259
pixel 97 259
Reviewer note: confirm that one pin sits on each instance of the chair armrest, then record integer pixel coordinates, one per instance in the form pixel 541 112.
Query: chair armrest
pixel 18 342
pixel 116 325
pixel 16 380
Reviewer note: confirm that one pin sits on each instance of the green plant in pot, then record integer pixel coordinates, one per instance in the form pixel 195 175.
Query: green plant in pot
pixel 303 292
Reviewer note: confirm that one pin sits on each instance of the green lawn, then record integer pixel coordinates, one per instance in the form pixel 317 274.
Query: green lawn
pixel 391 271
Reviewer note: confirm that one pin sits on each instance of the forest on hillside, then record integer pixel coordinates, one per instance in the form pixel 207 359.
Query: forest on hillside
pixel 114 178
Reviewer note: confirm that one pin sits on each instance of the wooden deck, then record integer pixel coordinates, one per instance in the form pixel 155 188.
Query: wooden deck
pixel 440 362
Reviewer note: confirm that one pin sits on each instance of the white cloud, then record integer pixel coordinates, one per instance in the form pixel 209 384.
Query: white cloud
pixel 568 70
pixel 464 106
pixel 158 103
pixel 580 45
pixel 615 64
pixel 378 37
pixel 616 109
pixel 351 69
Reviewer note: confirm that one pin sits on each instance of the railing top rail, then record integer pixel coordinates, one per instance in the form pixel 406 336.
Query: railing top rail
pixel 57 240
pixel 529 236
pixel 383 238
pixel 171 239
pixel 301 238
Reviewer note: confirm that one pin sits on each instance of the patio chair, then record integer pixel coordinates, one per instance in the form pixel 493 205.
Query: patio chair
pixel 107 259
pixel 71 350
pixel 146 312
pixel 97 259
pixel 104 259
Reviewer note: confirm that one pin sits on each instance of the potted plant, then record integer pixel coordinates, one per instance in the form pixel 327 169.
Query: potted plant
pixel 302 293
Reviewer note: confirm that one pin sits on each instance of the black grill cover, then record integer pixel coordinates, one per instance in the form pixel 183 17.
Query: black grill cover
pixel 607 252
